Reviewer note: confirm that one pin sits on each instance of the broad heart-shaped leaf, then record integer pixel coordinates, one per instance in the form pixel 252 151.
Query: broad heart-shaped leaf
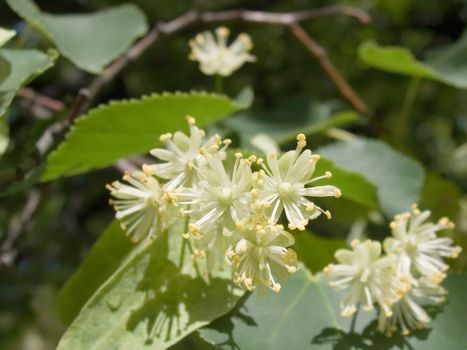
pixel 103 259
pixel 127 128
pixel 155 297
pixel 316 252
pixel 305 315
pixel 91 41
pixel 398 179
pixel 448 65
pixel 17 68
pixel 354 186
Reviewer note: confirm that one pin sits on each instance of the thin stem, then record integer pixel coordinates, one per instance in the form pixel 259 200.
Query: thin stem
pixel 219 82
pixel 401 124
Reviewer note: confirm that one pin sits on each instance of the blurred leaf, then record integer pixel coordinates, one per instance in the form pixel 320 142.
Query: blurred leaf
pixel 305 315
pixel 4 135
pixel 394 59
pixel 353 185
pixel 245 97
pixel 314 251
pixel 440 196
pixel 300 114
pixel 398 179
pixel 17 68
pixel 126 128
pixel 448 65
pixel 157 296
pixel 91 41
pixel 102 260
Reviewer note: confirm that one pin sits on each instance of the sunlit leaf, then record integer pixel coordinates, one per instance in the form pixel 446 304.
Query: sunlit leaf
pixel 91 41
pixel 133 127
pixel 305 315
pixel 447 65
pixel 397 178
pixel 157 296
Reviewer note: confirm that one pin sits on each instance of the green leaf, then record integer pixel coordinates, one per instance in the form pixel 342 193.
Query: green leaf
pixel 305 315
pixel 157 296
pixel 127 128
pixel 440 196
pixel 447 65
pixel 91 41
pixel 300 114
pixel 4 135
pixel 316 252
pixel 394 59
pixel 398 179
pixel 102 260
pixel 17 68
pixel 354 186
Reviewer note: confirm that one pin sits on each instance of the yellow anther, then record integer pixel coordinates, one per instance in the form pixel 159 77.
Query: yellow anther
pixel 354 243
pixel 222 31
pixel 147 169
pixel 260 161
pixel 202 151
pixel 227 142
pixel 190 120
pixel 252 158
pixel 165 137
pixel 338 193
pixel 238 155
pixel 214 148
pixel 328 269
pixel 276 288
pixel 190 165
pixel 328 214
pixel 315 157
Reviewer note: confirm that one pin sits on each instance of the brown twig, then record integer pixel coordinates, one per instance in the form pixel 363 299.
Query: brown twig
pixel 321 55
pixel 41 100
pixel 17 225
pixel 87 95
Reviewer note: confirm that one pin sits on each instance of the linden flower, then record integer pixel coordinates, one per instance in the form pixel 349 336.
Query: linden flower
pixel 219 199
pixel 418 246
pixel 215 57
pixel 369 277
pixel 262 257
pixel 183 156
pixel 140 205
pixel 6 35
pixel 408 313
pixel 282 185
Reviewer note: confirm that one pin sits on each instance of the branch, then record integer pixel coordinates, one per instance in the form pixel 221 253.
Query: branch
pixel 44 101
pixel 286 18
pixel 87 95
pixel 17 226
pixel 321 55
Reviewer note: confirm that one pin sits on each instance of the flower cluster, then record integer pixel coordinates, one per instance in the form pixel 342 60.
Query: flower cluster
pixel 215 57
pixel 401 282
pixel 232 212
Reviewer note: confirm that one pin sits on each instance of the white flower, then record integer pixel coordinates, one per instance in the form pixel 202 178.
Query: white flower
pixel 215 57
pixel 213 246
pixel 183 156
pixel 282 185
pixel 408 313
pixel 141 205
pixel 419 248
pixel 5 35
pixel 368 277
pixel 262 257
pixel 219 199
